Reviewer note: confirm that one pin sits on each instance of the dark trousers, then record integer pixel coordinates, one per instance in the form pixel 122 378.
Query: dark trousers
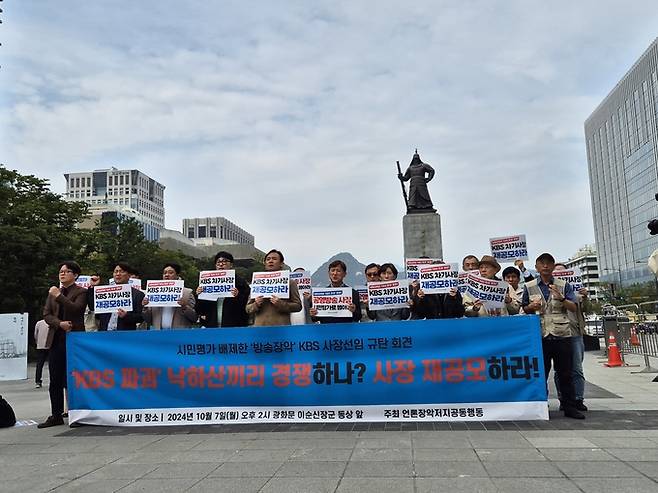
pixel 558 350
pixel 43 354
pixel 57 369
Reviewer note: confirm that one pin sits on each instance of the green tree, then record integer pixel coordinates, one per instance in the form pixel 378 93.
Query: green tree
pixel 38 230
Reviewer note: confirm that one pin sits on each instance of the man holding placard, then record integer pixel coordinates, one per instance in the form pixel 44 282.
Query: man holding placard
pixel 64 312
pixel 222 295
pixel 485 294
pixel 388 272
pixel 117 306
pixel 337 303
pixel 276 296
pixel 168 304
pixel 437 295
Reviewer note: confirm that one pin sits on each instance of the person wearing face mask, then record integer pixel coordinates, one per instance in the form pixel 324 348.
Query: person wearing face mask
pixel 552 299
pixel 488 268
pixel 169 317
pixel 64 312
pixel 120 319
pixel 274 310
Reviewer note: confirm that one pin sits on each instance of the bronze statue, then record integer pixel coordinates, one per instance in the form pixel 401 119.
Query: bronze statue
pixel 419 196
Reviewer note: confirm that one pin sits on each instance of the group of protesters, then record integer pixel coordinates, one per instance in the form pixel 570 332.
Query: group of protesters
pixel 559 306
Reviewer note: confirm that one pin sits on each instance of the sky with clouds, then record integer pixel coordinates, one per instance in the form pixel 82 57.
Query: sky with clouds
pixel 287 118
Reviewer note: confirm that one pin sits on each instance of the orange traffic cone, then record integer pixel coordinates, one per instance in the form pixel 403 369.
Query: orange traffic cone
pixel 635 341
pixel 614 358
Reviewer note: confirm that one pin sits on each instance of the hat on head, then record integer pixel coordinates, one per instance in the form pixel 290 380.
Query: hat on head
pixel 488 259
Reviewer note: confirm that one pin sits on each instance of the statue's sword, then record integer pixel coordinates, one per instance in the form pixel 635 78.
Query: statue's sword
pixel 404 190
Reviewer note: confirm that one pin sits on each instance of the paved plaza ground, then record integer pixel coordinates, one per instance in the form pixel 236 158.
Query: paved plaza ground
pixel 614 450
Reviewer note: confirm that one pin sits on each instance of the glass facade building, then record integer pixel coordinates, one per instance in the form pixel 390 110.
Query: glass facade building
pixel 621 154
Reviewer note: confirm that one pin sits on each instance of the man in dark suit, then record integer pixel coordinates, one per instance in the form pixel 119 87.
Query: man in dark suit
pixel 121 319
pixel 182 316
pixel 64 312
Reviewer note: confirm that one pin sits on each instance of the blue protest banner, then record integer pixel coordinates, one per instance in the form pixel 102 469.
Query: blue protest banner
pixel 429 370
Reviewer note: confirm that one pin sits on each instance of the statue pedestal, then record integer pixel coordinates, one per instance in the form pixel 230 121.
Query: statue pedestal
pixel 422 235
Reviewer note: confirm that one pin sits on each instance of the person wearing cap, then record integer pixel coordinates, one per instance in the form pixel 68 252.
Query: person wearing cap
pixel 275 310
pixel 552 299
pixel 170 317
pixel 512 276
pixel 488 268
pixel 225 312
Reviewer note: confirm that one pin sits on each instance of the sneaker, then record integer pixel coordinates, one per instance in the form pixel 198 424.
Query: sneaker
pixel 65 415
pixel 51 421
pixel 572 412
pixel 37 385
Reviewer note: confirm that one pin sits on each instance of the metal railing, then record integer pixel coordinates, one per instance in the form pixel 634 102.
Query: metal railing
pixel 639 338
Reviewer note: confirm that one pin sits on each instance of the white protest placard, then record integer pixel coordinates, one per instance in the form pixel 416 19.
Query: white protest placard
pixel 509 248
pixel 491 292
pixel 303 280
pixel 332 302
pixel 572 275
pixel 383 295
pixel 439 278
pixel 268 284
pixel 216 284
pixel 413 264
pixel 462 279
pixel 13 346
pixel 363 294
pixel 108 299
pixel 83 281
pixel 164 292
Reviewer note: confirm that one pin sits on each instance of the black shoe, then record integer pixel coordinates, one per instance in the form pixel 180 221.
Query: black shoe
pixel 561 407
pixel 75 425
pixel 37 385
pixel 572 412
pixel 580 406
pixel 66 415
pixel 51 421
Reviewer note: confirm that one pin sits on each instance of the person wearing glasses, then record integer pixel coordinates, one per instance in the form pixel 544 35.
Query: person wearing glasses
pixel 64 312
pixel 225 312
pixel 372 274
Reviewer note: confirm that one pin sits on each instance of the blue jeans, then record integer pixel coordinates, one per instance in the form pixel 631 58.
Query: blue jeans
pixel 577 375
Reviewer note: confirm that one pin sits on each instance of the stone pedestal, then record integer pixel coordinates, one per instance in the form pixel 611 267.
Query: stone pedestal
pixel 422 235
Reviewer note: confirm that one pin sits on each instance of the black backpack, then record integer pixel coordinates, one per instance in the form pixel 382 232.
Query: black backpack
pixel 7 416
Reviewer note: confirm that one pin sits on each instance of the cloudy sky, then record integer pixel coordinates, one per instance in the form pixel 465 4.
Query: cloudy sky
pixel 287 117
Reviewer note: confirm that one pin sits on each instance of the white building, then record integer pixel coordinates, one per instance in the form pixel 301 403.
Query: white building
pixel 126 189
pixel 206 230
pixel 587 261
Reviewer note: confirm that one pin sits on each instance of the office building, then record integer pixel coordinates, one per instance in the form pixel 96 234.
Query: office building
pixel 586 260
pixel 203 230
pixel 621 154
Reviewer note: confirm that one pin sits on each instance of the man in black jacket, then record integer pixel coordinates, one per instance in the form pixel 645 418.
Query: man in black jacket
pixel 121 319
pixel 337 272
pixel 225 312
pixel 430 306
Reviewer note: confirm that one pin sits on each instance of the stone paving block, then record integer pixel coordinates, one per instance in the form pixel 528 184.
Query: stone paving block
pixel 33 484
pixel 260 455
pixel 144 458
pixel 535 485
pixel 495 441
pixel 24 448
pixel 396 442
pixel 442 441
pixel 649 468
pixel 170 444
pixel 607 469
pixel 576 454
pixel 273 444
pixel 317 469
pixel 522 470
pixel 84 485
pixel 561 442
pixel 455 485
pixel 321 454
pixel 375 485
pixel 246 469
pixel 121 471
pixel 217 443
pixel 86 458
pixel 450 469
pixel 228 485
pixel 299 485
pixel 616 485
pixel 196 470
pixel 634 454
pixel 623 442
pixel 509 454
pixel 381 454
pixel 433 454
pixel 159 485
pixel 379 469
pixel 214 456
